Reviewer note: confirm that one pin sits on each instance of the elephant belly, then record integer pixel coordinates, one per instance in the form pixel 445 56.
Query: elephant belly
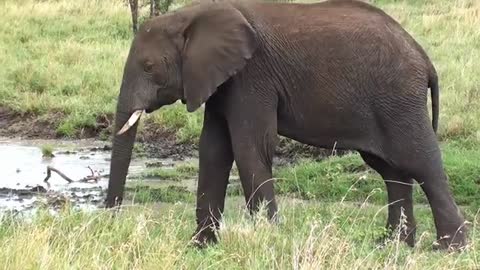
pixel 342 130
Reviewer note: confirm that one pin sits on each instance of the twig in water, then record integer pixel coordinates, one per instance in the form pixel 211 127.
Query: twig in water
pixel 93 178
pixel 86 179
pixel 91 171
pixel 49 174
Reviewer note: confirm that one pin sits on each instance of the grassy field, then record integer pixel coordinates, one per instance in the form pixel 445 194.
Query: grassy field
pixel 62 61
pixel 66 58
pixel 310 236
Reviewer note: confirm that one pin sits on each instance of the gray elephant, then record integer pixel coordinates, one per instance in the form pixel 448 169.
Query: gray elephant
pixel 339 73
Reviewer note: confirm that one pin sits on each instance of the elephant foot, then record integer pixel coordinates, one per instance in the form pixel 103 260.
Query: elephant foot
pixel 116 202
pixel 453 242
pixel 203 237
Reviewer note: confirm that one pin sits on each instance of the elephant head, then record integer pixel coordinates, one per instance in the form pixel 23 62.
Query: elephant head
pixel 184 55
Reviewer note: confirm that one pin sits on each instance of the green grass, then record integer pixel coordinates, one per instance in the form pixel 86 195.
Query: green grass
pixel 142 194
pixel 179 172
pixel 68 56
pixel 47 151
pixel 309 236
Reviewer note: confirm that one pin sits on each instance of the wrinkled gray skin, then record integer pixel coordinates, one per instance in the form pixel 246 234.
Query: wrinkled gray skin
pixel 337 73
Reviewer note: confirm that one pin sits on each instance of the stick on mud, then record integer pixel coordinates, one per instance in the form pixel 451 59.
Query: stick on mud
pixel 89 178
pixel 49 174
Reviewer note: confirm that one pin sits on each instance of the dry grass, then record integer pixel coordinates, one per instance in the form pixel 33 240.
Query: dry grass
pixel 310 236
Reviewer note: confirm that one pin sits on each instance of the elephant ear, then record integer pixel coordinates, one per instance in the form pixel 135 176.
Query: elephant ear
pixel 218 43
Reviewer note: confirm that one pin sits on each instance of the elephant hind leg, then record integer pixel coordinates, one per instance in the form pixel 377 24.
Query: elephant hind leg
pixel 400 203
pixel 414 151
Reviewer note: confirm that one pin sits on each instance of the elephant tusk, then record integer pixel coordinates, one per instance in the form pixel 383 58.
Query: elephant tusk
pixel 131 121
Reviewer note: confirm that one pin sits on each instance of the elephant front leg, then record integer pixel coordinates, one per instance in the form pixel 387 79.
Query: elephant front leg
pixel 216 159
pixel 253 148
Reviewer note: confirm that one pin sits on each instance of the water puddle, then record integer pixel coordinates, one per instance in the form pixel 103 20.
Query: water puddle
pixel 23 170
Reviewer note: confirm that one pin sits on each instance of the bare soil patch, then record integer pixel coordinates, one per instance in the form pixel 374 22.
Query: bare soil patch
pixel 28 126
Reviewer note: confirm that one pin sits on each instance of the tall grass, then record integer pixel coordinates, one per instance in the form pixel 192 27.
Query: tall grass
pixel 309 236
pixel 68 56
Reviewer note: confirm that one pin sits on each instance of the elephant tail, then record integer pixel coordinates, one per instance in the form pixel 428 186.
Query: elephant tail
pixel 434 91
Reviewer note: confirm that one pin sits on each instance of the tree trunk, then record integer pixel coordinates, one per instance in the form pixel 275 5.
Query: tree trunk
pixel 157 7
pixel 152 8
pixel 134 11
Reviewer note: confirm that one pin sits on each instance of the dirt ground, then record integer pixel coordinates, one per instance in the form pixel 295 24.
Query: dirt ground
pixel 27 126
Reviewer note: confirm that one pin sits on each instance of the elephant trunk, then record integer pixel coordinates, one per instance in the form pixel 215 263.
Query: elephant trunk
pixel 121 155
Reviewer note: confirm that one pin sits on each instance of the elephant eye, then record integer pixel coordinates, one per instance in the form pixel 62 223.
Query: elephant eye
pixel 148 67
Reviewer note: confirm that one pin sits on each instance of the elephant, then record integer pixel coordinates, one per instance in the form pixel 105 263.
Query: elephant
pixel 337 73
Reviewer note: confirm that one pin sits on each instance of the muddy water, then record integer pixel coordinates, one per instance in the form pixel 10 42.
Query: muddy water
pixel 23 170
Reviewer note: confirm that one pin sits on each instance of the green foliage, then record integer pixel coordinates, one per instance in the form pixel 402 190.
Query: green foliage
pixel 47 151
pixel 163 5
